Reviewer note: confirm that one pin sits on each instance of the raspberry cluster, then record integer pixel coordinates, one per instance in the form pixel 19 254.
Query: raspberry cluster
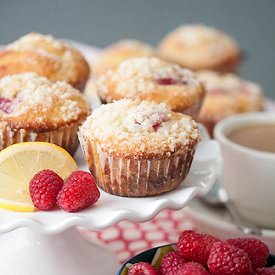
pixel 78 191
pixel 202 254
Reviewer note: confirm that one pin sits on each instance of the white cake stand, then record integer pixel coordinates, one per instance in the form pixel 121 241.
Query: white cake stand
pixel 48 243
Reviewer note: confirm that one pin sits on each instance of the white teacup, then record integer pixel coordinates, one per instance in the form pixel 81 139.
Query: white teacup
pixel 248 175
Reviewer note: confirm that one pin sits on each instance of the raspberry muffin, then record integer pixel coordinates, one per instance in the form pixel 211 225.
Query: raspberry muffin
pixel 46 56
pixel 34 109
pixel 227 95
pixel 149 78
pixel 120 51
pixel 199 47
pixel 138 148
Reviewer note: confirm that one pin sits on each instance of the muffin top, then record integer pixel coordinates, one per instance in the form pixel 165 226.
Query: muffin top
pixel 140 129
pixel 30 101
pixel 150 78
pixel 229 94
pixel 45 56
pixel 120 51
pixel 199 47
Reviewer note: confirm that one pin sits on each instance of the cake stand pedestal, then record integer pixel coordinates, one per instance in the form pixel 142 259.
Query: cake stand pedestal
pixel 25 252
pixel 48 243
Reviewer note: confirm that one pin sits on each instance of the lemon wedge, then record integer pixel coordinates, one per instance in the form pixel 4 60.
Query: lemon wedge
pixel 19 163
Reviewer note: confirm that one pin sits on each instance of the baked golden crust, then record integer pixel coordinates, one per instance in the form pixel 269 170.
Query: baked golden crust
pixel 227 95
pixel 140 129
pixel 114 54
pixel 201 48
pixel 36 104
pixel 149 78
pixel 47 57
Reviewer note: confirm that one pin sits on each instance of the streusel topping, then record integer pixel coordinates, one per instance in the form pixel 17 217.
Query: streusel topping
pixel 37 101
pixel 43 44
pixel 133 127
pixel 46 56
pixel 227 83
pixel 131 45
pixel 229 94
pixel 146 74
pixel 198 47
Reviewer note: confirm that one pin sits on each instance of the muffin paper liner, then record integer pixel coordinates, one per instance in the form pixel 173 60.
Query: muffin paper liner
pixel 65 137
pixel 132 177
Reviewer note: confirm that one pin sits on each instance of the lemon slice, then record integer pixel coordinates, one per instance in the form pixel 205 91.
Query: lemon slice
pixel 19 163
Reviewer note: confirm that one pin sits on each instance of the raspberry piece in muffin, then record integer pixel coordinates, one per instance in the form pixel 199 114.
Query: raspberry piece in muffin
pixel 6 105
pixel 138 148
pixel 149 78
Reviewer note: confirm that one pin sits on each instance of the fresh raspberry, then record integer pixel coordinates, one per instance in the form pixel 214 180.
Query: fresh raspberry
pixel 6 105
pixel 256 250
pixel 142 268
pixel 194 246
pixel 226 259
pixel 78 192
pixel 44 187
pixel 171 263
pixel 265 271
pixel 191 268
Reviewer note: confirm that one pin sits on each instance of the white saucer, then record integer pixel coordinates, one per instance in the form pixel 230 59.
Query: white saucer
pixel 217 221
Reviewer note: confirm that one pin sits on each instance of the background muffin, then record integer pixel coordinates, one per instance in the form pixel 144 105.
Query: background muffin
pixel 138 148
pixel 120 51
pixel 199 47
pixel 47 57
pixel 227 95
pixel 149 78
pixel 34 109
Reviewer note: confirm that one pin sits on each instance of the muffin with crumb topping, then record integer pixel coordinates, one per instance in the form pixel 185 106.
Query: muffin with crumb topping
pixel 227 95
pixel 149 78
pixel 46 56
pixel 200 47
pixel 120 51
pixel 138 148
pixel 34 109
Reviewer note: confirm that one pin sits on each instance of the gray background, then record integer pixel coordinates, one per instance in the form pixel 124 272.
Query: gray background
pixel 100 23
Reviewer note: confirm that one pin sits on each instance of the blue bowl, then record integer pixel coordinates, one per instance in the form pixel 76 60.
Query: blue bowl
pixel 148 255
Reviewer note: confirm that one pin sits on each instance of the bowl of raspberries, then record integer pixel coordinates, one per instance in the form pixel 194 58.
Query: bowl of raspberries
pixel 203 254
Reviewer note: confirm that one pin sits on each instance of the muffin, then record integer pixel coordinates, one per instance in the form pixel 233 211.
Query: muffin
pixel 46 56
pixel 149 78
pixel 227 95
pixel 120 51
pixel 138 148
pixel 199 47
pixel 34 109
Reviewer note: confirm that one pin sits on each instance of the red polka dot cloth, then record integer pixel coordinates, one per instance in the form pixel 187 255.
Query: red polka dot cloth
pixel 126 239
